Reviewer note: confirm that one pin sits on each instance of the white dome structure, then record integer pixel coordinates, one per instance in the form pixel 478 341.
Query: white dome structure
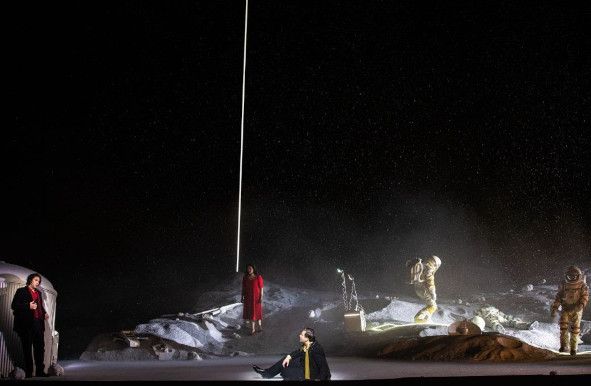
pixel 13 277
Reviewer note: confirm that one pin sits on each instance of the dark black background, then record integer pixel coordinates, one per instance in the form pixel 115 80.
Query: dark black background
pixel 375 131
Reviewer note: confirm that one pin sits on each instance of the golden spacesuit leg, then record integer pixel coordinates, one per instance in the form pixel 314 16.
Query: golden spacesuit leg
pixel 564 335
pixel 428 294
pixel 575 330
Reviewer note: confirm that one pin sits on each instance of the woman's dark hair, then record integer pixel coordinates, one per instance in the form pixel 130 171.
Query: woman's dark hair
pixel 254 270
pixel 32 276
pixel 309 333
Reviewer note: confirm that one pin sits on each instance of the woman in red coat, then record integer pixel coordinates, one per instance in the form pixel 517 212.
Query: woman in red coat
pixel 252 297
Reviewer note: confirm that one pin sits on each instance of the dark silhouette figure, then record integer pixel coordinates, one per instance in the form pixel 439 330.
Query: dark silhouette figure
pixel 29 324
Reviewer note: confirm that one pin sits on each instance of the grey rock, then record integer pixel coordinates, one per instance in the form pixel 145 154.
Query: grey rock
pixel 55 370
pixel 17 373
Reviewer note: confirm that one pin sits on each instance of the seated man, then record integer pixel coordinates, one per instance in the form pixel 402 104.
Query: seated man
pixel 307 362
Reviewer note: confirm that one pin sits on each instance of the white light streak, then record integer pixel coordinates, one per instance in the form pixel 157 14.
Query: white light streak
pixel 241 138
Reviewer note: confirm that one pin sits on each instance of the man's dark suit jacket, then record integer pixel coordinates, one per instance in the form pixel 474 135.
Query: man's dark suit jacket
pixel 23 315
pixel 318 365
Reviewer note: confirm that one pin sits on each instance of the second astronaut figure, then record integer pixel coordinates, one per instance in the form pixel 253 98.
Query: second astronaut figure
pixel 422 276
pixel 572 297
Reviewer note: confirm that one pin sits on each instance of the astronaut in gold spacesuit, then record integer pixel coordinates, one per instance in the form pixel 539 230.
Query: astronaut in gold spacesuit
pixel 573 295
pixel 422 276
pixel 497 320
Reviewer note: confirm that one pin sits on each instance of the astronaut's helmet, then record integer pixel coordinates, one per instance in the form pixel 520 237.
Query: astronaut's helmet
pixel 434 262
pixel 573 274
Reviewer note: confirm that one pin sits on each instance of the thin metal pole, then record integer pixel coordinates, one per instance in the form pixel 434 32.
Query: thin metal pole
pixel 241 138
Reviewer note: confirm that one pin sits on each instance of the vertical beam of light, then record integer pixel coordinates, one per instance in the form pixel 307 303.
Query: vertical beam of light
pixel 241 138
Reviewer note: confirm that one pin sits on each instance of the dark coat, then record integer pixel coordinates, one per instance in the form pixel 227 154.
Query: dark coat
pixel 318 364
pixel 23 315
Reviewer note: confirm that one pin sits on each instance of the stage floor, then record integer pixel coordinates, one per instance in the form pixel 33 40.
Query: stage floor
pixel 342 368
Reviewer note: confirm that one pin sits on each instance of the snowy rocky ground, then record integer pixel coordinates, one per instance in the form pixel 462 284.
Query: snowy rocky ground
pixel 221 333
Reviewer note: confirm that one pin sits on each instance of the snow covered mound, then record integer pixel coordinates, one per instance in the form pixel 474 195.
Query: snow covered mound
pixel 214 328
pixel 276 297
pixel 404 312
pixel 485 347
pixel 220 331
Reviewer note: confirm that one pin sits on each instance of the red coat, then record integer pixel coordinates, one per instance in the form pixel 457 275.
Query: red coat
pixel 251 291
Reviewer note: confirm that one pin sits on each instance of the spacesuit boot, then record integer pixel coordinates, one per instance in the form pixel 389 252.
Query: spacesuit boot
pixel 574 341
pixel 424 315
pixel 563 340
pixel 574 337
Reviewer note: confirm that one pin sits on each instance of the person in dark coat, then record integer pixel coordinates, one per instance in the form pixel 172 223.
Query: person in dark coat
pixel 29 324
pixel 306 363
